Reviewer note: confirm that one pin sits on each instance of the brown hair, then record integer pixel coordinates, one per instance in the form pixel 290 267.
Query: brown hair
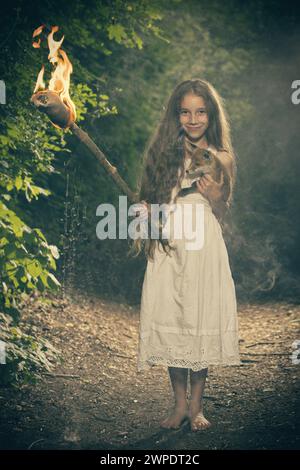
pixel 164 153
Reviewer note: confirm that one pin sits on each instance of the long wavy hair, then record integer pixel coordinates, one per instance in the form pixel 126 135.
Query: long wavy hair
pixel 165 152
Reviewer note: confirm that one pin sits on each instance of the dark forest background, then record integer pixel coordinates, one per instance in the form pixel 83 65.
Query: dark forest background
pixel 127 58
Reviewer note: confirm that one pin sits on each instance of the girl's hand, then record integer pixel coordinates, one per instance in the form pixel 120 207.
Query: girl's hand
pixel 210 188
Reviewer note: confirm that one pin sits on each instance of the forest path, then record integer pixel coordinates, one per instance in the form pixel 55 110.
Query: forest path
pixel 96 399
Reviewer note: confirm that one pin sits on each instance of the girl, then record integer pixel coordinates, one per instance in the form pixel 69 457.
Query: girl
pixel 188 317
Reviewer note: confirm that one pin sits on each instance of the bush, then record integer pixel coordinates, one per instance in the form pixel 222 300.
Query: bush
pixel 26 355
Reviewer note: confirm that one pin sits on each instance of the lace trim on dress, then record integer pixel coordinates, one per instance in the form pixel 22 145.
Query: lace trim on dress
pixel 185 359
pixel 184 363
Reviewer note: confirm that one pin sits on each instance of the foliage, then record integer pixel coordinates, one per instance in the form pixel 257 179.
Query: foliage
pixel 26 355
pixel 25 259
pixel 32 152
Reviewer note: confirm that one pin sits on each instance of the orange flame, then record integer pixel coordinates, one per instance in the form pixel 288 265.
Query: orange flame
pixel 60 76
pixel 37 32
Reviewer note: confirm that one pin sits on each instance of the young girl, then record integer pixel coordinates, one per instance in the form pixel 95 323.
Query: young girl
pixel 188 318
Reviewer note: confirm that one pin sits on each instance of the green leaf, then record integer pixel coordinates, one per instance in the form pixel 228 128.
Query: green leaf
pixel 18 182
pixel 43 278
pixel 34 268
pixel 116 32
pixel 54 280
pixel 138 40
pixel 40 233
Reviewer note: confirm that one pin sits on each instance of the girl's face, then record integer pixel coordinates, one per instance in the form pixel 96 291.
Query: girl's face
pixel 193 116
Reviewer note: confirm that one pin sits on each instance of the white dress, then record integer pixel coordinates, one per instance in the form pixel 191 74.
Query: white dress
pixel 188 315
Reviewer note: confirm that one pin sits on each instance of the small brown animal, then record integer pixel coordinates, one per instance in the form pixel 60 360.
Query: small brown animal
pixel 204 162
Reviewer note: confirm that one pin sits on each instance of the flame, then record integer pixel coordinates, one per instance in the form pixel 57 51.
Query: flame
pixel 54 45
pixel 40 84
pixel 37 32
pixel 60 76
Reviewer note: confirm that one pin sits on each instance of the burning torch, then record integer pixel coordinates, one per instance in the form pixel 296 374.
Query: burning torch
pixel 55 101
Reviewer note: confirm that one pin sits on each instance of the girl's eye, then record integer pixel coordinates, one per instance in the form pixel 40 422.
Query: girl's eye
pixel 200 112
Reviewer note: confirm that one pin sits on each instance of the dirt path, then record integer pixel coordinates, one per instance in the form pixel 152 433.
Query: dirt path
pixel 103 403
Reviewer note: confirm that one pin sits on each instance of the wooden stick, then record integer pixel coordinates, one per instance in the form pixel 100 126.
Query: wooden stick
pixel 264 342
pixel 63 376
pixel 110 169
pixel 49 102
pixel 266 354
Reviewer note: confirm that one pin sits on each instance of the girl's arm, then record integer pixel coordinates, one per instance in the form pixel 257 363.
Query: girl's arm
pixel 219 208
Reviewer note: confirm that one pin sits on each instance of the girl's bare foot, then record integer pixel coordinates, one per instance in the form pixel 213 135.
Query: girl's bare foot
pixel 176 418
pixel 196 417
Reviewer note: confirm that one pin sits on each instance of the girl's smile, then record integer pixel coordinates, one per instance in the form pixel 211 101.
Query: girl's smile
pixel 193 115
pixel 192 128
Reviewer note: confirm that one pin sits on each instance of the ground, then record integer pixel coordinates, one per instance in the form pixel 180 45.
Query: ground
pixel 96 399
